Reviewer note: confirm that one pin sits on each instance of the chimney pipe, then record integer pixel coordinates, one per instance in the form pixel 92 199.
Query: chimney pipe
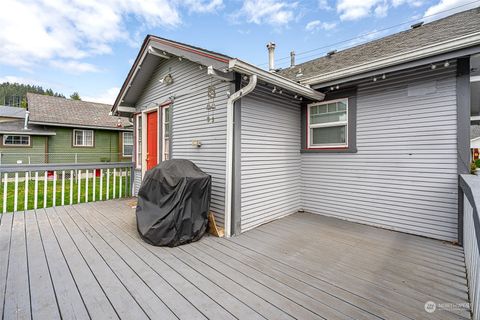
pixel 25 125
pixel 292 59
pixel 271 56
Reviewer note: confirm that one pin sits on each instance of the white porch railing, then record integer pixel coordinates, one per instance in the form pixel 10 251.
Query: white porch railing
pixel 26 187
pixel 470 187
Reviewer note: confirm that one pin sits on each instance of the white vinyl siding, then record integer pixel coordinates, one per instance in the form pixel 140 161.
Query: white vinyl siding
pixel 189 113
pixel 270 158
pixel 404 175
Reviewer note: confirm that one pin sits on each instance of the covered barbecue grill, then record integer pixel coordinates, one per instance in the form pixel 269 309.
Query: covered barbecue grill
pixel 173 203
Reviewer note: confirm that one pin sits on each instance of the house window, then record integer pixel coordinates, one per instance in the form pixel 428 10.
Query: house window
pixel 127 149
pixel 139 141
pixel 166 133
pixel 82 138
pixel 328 124
pixel 16 140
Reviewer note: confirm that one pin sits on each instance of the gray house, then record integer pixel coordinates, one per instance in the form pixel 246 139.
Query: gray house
pixel 375 134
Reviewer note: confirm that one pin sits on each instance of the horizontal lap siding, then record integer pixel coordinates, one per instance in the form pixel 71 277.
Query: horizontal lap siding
pixel 190 84
pixel 270 158
pixel 404 175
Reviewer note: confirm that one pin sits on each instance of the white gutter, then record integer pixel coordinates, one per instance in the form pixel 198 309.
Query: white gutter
pixel 229 158
pixel 424 52
pixel 275 79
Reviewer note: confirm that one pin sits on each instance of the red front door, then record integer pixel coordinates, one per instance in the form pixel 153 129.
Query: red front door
pixel 152 139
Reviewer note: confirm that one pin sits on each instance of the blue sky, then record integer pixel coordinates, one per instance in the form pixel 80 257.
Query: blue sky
pixel 88 46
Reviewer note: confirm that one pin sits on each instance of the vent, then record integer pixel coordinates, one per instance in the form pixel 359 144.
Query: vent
pixel 417 25
pixel 331 53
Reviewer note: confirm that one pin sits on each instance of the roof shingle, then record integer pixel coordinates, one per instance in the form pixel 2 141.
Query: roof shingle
pixel 453 26
pixel 53 110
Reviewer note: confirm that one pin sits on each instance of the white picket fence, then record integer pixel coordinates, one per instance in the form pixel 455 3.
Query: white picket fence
pixel 63 184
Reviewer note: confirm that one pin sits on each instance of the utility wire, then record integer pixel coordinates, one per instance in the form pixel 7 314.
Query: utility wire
pixel 367 34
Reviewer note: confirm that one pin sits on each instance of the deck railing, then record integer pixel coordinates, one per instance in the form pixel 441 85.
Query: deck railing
pixel 470 187
pixel 26 187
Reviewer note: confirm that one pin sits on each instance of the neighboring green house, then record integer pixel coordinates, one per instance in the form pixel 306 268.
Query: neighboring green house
pixel 58 130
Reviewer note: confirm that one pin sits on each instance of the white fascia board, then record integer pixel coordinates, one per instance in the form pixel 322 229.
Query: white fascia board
pixel 424 52
pixel 275 79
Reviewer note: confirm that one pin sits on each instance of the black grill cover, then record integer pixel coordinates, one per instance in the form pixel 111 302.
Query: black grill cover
pixel 173 203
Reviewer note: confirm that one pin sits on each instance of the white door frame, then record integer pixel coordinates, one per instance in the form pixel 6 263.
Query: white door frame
pixel 144 136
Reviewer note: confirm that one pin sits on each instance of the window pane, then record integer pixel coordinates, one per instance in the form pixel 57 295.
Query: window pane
pixel 88 138
pixel 330 135
pixel 128 138
pixel 127 150
pixel 328 117
pixel 78 138
pixel 331 112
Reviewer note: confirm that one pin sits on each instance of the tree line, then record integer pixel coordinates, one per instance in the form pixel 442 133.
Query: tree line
pixel 15 94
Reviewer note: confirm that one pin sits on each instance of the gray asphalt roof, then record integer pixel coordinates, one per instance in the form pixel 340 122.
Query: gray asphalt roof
pixel 459 24
pixel 12 112
pixel 16 126
pixel 474 131
pixel 53 110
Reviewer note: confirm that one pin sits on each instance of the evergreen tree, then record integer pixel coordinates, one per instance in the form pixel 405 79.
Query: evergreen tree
pixel 75 96
pixel 14 94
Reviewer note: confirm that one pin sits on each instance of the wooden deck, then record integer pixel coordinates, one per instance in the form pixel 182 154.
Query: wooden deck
pixel 87 261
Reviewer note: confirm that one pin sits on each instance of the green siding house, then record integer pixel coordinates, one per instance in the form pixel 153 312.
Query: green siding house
pixel 58 130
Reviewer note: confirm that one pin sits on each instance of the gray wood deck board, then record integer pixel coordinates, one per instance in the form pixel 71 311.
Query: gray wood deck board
pixel 17 293
pixel 69 300
pixel 5 233
pixel 121 299
pixel 371 289
pixel 43 299
pixel 92 294
pixel 394 271
pixel 88 262
pixel 185 267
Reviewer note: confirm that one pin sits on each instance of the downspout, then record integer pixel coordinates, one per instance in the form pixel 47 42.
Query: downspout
pixel 229 157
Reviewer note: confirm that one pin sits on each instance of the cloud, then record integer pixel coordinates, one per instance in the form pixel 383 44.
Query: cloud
pixel 202 6
pixel 450 6
pixel 324 5
pixel 41 31
pixel 317 25
pixel 107 96
pixel 74 66
pixel 272 12
pixel 355 9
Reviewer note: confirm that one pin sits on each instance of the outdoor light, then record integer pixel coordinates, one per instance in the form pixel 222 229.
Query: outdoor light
pixel 374 79
pixel 446 64
pixel 337 87
pixel 331 88
pixel 274 89
pixel 384 76
pixel 433 67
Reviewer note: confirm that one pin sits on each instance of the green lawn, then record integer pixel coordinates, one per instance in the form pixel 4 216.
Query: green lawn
pixel 58 201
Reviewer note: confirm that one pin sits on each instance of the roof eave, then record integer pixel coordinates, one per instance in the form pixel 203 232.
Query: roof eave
pixel 275 79
pixel 400 58
pixel 70 125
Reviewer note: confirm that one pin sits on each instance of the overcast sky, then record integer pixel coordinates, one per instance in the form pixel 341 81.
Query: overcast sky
pixel 88 46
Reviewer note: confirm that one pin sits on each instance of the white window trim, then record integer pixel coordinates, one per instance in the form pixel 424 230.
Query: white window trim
pixel 138 119
pixel 16 145
pixel 123 145
pixel 83 134
pixel 326 125
pixel 163 134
